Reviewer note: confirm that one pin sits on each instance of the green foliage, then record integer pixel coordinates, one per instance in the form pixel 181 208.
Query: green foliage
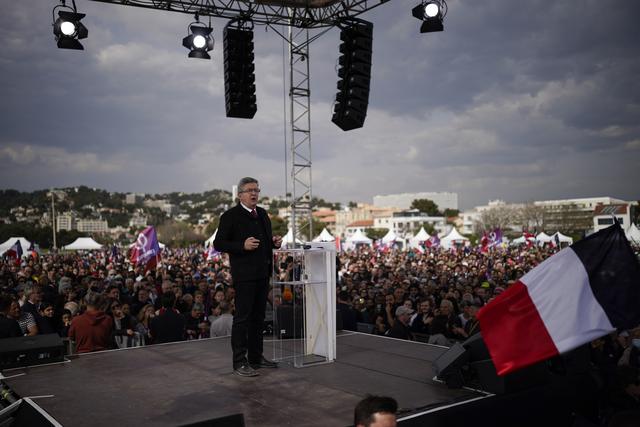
pixel 429 228
pixel 376 233
pixel 212 226
pixel 278 226
pixel 426 206
pixel 180 234
pixel 451 212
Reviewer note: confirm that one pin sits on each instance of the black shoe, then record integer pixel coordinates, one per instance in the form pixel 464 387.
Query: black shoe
pixel 245 371
pixel 263 363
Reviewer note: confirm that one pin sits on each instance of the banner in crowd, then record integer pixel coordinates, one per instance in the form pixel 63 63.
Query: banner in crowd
pixel 581 293
pixel 146 250
pixel 15 251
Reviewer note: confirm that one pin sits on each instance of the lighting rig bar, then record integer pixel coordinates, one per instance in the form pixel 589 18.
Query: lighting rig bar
pixel 293 13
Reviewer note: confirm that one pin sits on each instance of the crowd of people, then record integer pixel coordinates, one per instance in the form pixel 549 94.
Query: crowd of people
pixel 101 302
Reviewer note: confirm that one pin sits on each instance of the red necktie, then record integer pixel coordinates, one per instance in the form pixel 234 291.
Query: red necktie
pixel 254 213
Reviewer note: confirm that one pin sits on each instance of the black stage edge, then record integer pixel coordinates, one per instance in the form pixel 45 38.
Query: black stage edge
pixel 189 382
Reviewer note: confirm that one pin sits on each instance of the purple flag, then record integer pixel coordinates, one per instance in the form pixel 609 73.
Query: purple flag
pixel 146 247
pixel 495 237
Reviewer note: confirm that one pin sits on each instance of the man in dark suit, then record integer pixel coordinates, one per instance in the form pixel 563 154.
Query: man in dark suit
pixel 169 325
pixel 245 234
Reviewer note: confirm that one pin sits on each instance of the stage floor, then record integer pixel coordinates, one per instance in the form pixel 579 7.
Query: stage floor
pixel 181 383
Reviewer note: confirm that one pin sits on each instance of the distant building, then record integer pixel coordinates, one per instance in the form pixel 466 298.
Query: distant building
pixel 133 198
pixel 444 200
pixel 362 211
pixel 66 222
pixel 603 216
pixel 361 225
pixel 138 221
pixel 92 226
pixel 408 223
pixel 573 215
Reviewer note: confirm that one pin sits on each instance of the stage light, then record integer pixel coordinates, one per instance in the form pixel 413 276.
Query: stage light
pixel 68 29
pixel 431 13
pixel 199 42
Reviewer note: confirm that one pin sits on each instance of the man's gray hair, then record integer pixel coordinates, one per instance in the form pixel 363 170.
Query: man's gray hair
pixel 244 181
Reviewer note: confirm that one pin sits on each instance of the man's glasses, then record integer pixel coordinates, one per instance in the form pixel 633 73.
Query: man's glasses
pixel 251 190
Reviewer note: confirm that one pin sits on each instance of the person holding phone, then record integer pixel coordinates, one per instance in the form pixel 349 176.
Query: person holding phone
pixel 245 234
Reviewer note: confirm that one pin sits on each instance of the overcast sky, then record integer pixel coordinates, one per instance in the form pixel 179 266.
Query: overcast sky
pixel 516 100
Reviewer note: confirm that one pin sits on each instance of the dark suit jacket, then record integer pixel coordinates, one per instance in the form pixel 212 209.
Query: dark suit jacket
pixel 167 327
pixel 236 226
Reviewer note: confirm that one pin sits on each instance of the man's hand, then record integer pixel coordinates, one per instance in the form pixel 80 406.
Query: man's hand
pixel 251 244
pixel 277 241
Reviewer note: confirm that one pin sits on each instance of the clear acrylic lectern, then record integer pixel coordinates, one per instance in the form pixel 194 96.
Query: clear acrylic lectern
pixel 304 304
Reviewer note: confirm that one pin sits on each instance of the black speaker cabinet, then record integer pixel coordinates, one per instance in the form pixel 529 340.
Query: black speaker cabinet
pixel 236 420
pixel 27 351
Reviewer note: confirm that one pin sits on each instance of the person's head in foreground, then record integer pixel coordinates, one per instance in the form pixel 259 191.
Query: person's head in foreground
pixel 376 411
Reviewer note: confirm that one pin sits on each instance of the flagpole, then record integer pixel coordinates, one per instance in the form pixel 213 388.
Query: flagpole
pixel 53 220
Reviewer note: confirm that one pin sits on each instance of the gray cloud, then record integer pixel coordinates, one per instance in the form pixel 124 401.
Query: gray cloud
pixel 514 100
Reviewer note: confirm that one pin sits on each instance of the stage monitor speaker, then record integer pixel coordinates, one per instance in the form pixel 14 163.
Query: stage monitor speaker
pixel 35 350
pixel 236 420
pixel 531 376
pixel 448 366
pixel 476 347
pixel 288 322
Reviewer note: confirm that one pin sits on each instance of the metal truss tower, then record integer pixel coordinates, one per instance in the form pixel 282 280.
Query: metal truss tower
pixel 299 162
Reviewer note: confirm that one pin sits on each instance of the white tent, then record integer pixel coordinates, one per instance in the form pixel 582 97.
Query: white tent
pixel 324 236
pixel 633 234
pixel 391 237
pixel 543 238
pixel 562 238
pixel 452 238
pixel 287 240
pixel 83 244
pixel 420 237
pixel 209 241
pixel 358 238
pixel 24 243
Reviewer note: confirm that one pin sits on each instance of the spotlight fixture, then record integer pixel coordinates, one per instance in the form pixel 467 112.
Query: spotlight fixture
pixel 199 42
pixel 432 12
pixel 67 28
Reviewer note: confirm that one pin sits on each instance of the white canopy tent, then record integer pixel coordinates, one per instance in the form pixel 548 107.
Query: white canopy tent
pixel 83 244
pixel 562 238
pixel 287 240
pixel 543 238
pixel 324 236
pixel 391 237
pixel 453 238
pixel 420 237
pixel 209 241
pixel 633 234
pixel 358 238
pixel 24 243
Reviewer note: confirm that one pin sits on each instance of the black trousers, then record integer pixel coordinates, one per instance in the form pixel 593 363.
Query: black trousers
pixel 248 321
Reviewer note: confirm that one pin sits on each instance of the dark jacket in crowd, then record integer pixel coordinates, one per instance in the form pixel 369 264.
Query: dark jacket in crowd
pixel 168 326
pixel 400 330
pixel 9 328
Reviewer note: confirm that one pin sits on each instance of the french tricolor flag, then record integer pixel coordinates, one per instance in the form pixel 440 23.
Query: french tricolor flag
pixel 15 251
pixel 581 293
